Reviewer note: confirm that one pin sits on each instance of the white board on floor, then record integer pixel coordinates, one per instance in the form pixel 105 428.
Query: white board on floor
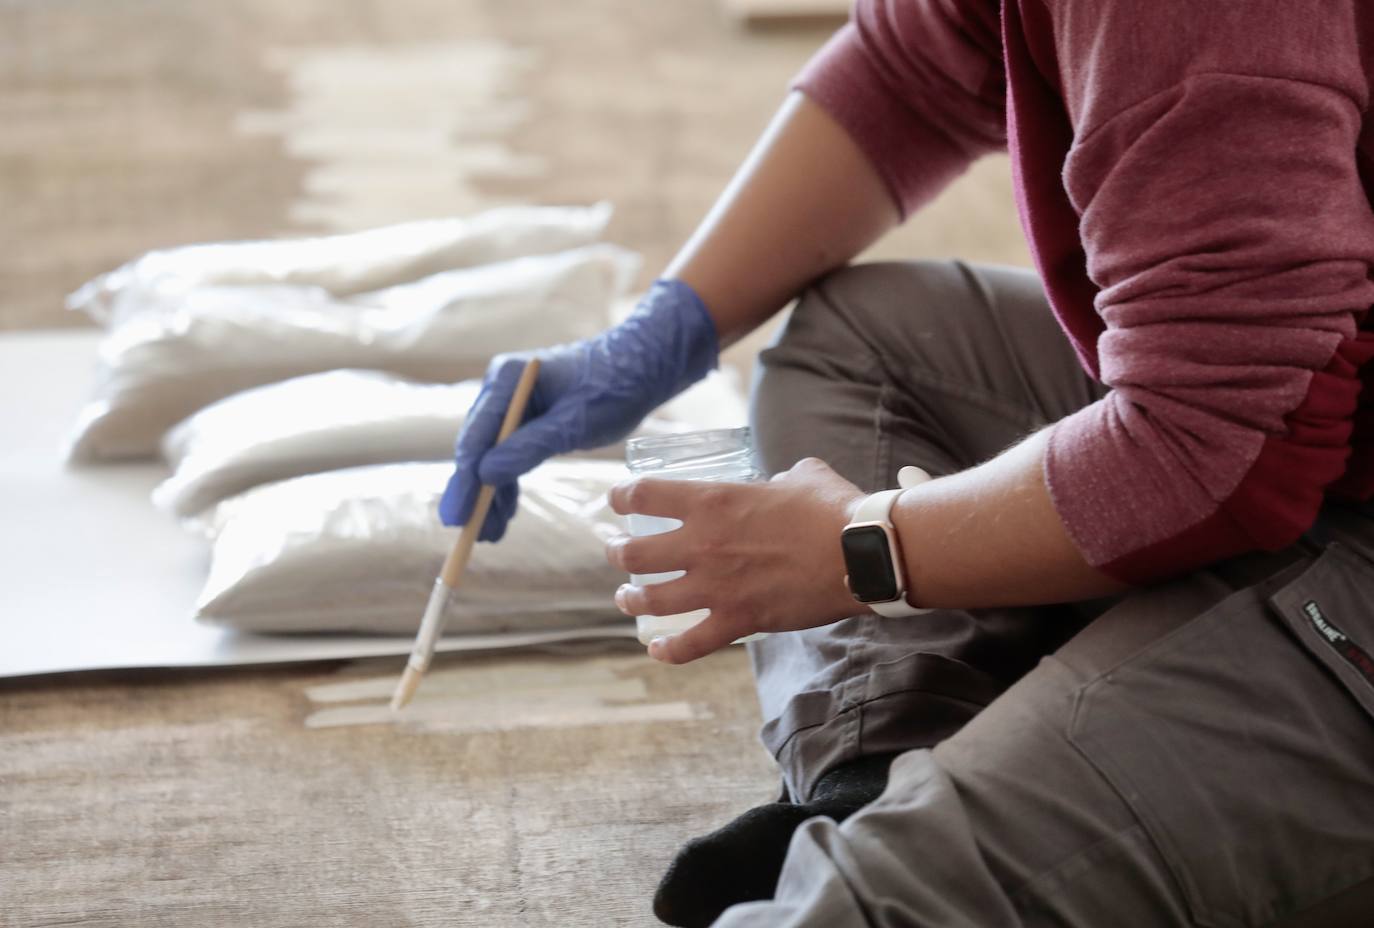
pixel 93 577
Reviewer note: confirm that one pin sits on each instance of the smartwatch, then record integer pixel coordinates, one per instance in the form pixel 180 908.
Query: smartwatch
pixel 873 556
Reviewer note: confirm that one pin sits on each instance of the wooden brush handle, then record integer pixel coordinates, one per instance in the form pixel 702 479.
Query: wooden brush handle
pixel 457 559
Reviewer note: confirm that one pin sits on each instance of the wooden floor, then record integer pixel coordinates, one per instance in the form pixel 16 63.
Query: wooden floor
pixel 536 791
pixel 542 791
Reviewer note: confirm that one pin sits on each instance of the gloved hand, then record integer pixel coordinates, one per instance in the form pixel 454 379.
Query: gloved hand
pixel 589 393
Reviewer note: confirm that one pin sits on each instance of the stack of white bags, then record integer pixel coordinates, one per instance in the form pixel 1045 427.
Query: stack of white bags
pixel 306 395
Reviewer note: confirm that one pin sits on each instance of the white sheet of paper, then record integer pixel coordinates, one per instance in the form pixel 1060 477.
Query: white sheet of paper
pixel 93 577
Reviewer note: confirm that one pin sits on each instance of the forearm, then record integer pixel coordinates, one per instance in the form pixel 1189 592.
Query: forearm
pixel 805 202
pixel 990 536
pixel 765 557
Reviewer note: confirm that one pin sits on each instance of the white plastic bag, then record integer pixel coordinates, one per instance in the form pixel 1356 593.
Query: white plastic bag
pixel 343 265
pixel 183 351
pixel 357 550
pixel 348 418
pixel 307 425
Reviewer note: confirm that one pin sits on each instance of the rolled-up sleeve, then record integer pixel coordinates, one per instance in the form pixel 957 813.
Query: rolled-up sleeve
pixel 1226 226
pixel 920 87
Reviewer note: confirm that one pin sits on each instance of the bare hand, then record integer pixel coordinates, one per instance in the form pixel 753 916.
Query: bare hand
pixel 763 557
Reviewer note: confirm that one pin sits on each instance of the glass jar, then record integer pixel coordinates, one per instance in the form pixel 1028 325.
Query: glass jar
pixel 715 454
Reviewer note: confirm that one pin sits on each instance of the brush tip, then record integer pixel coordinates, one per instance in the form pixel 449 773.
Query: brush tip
pixel 405 690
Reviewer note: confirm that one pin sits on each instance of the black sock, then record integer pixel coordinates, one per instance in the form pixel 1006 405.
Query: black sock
pixel 741 862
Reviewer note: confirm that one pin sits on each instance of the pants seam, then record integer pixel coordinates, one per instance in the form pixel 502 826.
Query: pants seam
pixel 990 305
pixel 1019 895
pixel 882 445
pixel 887 376
pixel 854 707
pixel 988 402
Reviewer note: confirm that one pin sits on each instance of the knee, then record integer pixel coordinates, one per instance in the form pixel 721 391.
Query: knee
pixel 832 347
pixel 866 306
pixel 852 317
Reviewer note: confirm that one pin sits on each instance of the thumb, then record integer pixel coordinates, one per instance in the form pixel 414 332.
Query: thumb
pixel 528 446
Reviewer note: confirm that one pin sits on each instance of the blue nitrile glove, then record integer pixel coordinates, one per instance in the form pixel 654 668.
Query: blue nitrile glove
pixel 589 393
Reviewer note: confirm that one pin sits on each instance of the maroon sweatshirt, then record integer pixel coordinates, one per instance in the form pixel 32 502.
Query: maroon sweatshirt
pixel 1193 177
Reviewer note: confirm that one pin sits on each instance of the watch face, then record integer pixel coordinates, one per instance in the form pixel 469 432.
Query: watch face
pixel 868 557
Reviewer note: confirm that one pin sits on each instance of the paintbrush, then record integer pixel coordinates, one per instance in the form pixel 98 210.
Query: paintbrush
pixel 432 625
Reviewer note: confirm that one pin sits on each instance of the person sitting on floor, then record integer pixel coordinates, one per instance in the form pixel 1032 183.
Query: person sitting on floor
pixel 1110 666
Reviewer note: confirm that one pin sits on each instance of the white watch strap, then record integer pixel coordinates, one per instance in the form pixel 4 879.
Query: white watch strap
pixel 897 609
pixel 878 508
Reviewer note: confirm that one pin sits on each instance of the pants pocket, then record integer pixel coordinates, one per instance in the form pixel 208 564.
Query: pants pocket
pixel 1244 743
pixel 1330 610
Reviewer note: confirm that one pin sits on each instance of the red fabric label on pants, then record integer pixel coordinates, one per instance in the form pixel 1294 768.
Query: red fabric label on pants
pixel 1353 654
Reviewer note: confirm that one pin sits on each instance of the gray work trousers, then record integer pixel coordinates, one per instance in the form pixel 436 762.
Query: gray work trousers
pixel 1198 752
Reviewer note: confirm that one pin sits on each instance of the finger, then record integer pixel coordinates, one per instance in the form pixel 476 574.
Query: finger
pixel 668 598
pixel 503 508
pixel 460 495
pixel 647 554
pixel 527 447
pixel 652 497
pixel 508 499
pixel 460 498
pixel 483 422
pixel 706 637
